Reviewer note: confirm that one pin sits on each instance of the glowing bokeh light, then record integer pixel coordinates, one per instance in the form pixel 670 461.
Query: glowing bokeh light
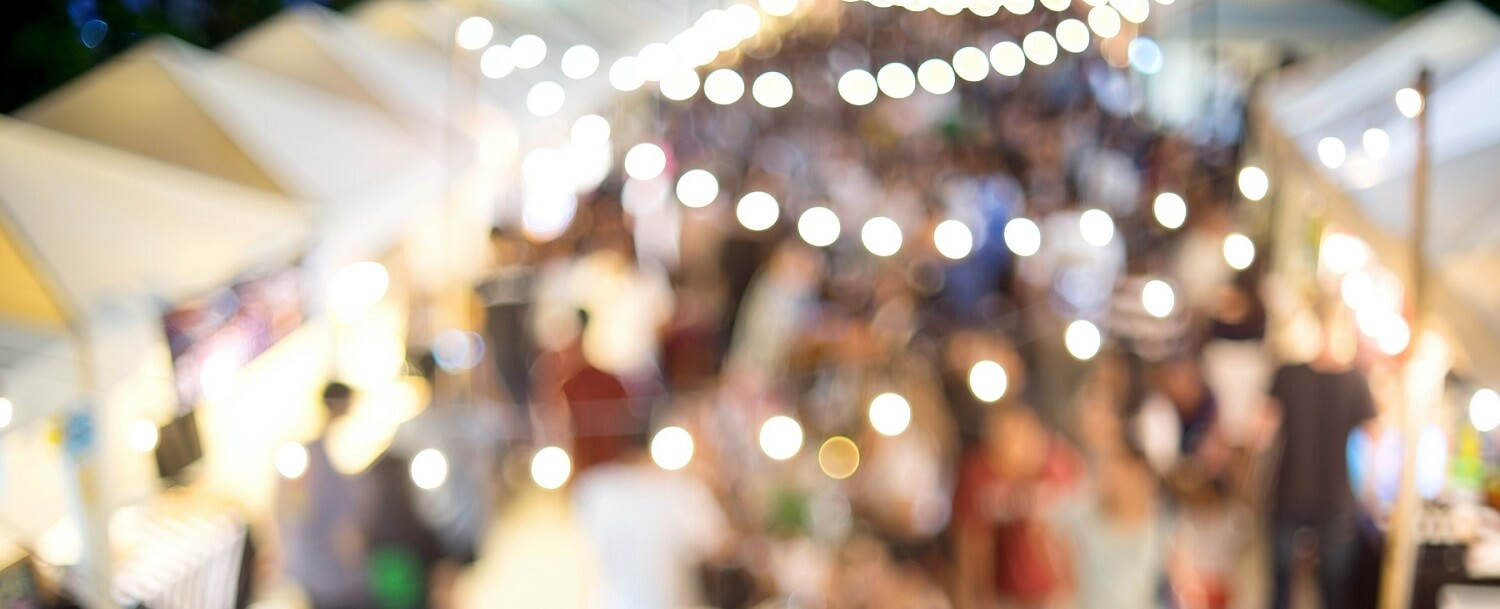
pixel 1254 183
pixel 1023 237
pixel 780 438
pixel 881 236
pixel 1484 410
pixel 429 469
pixel 291 460
pixel 645 161
pixel 1158 299
pixel 1239 251
pixel 838 458
pixel 1083 340
pixel 1097 228
pixel 890 414
pixel 1170 210
pixel 551 467
pixel 473 33
pixel 580 62
pixel 545 98
pixel 1331 152
pixel 723 86
pixel 971 64
pixel 857 87
pixel 697 188
pixel 898 81
pixel 819 226
pixel 988 380
pixel 1007 58
pixel 672 448
pixel 936 76
pixel 757 211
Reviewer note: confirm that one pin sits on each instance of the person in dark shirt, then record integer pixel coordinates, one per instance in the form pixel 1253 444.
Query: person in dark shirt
pixel 1312 503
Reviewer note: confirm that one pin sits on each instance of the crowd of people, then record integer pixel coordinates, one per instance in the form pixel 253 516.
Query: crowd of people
pixel 1141 473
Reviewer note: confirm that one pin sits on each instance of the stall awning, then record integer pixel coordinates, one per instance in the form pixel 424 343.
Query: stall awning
pixel 182 105
pixel 82 224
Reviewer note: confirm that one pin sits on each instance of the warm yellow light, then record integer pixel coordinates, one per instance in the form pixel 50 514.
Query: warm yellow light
pixel 1040 48
pixel 429 469
pixel 971 64
pixel 1239 251
pixel 473 33
pixel 778 8
pixel 1254 183
pixel 897 80
pixel 1023 237
pixel 645 161
pixel 780 438
pixel 551 467
pixel 936 76
pixel 723 86
pixel 291 460
pixel 757 211
pixel 890 414
pixel 680 84
pixel 953 239
pixel 143 436
pixel 772 89
pixel 1097 228
pixel 1484 410
pixel 819 226
pixel 1170 210
pixel 1083 340
pixel 672 448
pixel 838 458
pixel 1409 101
pixel 1008 59
pixel 1158 299
pixel 545 98
pixel 697 188
pixel 988 381
pixel 881 236
pixel 857 87
pixel 580 61
pixel 1104 21
pixel 1073 35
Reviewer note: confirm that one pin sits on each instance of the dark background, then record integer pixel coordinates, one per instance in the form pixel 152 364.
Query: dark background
pixel 47 42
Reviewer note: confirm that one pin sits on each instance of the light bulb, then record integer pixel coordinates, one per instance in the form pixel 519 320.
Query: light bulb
pixel 1023 237
pixel 697 188
pixel 953 239
pixel 757 211
pixel 1083 340
pixel 890 414
pixel 898 81
pixel 988 381
pixel 672 448
pixel 819 226
pixel 857 87
pixel 881 236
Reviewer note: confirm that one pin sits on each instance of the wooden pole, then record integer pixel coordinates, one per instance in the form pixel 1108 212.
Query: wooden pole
pixel 1402 538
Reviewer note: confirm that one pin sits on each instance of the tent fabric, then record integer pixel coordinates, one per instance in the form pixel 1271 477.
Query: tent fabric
pixel 26 296
pixel 327 51
pixel 1267 20
pixel 103 224
pixel 1372 193
pixel 179 104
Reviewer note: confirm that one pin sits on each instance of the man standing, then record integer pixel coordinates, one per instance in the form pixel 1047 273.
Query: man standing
pixel 1312 504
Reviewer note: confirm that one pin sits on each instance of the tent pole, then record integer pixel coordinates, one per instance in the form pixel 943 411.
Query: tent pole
pixel 1402 539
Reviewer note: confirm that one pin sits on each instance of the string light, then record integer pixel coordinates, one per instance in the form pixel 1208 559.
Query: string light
pixel 953 239
pixel 1170 210
pixel 1331 152
pixel 971 64
pixel 897 80
pixel 1409 101
pixel 1254 183
pixel 1376 142
pixel 857 87
pixel 679 85
pixel 590 130
pixel 1484 410
pixel 496 62
pixel 881 236
pixel 645 161
pixel 1082 340
pixel 473 33
pixel 1158 299
pixel 778 8
pixel 936 76
pixel 988 381
pixel 838 458
pixel 1239 251
pixel 772 89
pixel 780 438
pixel 1007 58
pixel 551 467
pixel 1023 237
pixel 1104 21
pixel 757 211
pixel 723 86
pixel 429 469
pixel 1020 7
pixel 697 188
pixel 819 226
pixel 672 448
pixel 1040 48
pixel 580 62
pixel 1097 228
pixel 625 74
pixel 1073 35
pixel 529 51
pixel 545 98
pixel 291 460
pixel 890 414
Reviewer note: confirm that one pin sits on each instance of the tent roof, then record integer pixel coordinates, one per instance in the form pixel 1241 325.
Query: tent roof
pixel 327 51
pixel 179 104
pixel 93 223
pixel 1268 20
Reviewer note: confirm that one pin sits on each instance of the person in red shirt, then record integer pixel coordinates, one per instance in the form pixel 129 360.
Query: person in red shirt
pixel 594 405
pixel 1007 554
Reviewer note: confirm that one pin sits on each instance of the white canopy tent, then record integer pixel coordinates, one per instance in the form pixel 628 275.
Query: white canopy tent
pixel 1371 191
pixel 103 237
pixel 358 173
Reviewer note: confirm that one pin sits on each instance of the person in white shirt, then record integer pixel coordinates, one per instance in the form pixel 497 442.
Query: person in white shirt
pixel 650 530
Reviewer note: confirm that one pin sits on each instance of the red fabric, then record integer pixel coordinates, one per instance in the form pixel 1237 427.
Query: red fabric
pixel 599 409
pixel 1029 564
